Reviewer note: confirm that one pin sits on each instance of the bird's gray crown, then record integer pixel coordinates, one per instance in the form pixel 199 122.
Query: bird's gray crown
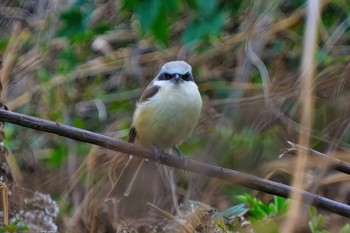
pixel 176 67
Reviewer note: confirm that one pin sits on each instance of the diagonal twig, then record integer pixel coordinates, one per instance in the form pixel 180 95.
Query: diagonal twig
pixel 229 175
pixel 335 163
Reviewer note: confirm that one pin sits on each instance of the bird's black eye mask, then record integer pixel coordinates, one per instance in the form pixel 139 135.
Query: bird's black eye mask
pixel 167 76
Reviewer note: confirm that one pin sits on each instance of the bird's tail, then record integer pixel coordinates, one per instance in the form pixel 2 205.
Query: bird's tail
pixel 126 179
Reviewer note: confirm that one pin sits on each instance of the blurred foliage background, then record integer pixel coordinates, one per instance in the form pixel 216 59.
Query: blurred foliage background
pixel 85 63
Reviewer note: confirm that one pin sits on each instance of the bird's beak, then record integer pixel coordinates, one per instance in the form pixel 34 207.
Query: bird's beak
pixel 177 78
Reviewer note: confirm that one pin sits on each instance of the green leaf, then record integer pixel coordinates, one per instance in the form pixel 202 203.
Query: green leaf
pixel 67 61
pixel 247 199
pixel 13 227
pixel 101 28
pixel 193 4
pixel 264 208
pixel 43 74
pixel 72 21
pixel 258 213
pixel 147 11
pixel 316 222
pixel 76 20
pixel 154 16
pixel 281 204
pixel 239 209
pixel 3 43
pixel 207 6
pixel 22 228
pixel 234 211
pixel 172 7
pixel 161 28
pixel 261 211
pixel 207 22
pixel 57 156
pixel 129 5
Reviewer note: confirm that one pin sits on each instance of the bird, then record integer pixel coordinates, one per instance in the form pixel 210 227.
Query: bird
pixel 164 117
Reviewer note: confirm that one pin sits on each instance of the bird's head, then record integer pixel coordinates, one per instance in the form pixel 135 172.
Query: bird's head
pixel 176 72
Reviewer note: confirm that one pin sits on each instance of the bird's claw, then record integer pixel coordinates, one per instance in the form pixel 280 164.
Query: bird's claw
pixel 181 155
pixel 159 154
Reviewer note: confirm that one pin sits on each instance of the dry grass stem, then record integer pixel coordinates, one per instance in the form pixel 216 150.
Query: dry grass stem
pixel 307 105
pixel 5 202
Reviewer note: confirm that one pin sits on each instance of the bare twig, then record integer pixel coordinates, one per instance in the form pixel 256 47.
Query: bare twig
pixel 332 162
pixel 231 176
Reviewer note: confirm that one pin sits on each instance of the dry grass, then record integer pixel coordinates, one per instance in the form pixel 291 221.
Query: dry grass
pixel 306 101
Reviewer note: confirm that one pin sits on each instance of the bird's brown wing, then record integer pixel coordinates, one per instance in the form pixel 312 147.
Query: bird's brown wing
pixel 150 91
pixel 132 135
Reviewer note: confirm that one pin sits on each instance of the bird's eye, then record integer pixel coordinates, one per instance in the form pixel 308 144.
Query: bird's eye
pixel 167 76
pixel 186 76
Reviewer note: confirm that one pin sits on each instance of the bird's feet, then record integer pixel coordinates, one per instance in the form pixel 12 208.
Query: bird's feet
pixel 180 155
pixel 159 154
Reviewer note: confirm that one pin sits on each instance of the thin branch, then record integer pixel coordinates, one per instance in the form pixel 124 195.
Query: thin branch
pixel 231 176
pixel 335 163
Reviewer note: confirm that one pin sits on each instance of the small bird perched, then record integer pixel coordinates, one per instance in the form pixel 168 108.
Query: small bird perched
pixel 165 117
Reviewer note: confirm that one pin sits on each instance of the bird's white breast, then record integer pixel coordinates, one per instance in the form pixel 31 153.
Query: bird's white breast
pixel 169 117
